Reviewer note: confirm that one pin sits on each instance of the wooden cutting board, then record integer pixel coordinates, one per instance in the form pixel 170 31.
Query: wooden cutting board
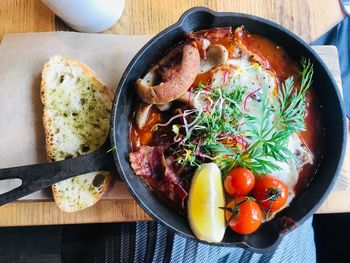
pixel 10 103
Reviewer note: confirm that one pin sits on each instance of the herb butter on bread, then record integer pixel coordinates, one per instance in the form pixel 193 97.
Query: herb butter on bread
pixel 77 108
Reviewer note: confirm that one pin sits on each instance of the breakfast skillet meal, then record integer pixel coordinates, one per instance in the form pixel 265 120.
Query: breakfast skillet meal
pixel 226 130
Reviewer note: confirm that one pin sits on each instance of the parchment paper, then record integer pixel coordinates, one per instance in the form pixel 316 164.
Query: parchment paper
pixel 22 56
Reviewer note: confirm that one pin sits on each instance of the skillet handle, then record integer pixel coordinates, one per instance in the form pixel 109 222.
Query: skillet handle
pixel 39 176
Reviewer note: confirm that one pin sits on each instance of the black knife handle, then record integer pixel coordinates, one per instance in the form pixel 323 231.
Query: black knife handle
pixel 39 176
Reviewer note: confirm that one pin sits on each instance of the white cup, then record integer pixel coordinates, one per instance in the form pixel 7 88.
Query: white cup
pixel 87 15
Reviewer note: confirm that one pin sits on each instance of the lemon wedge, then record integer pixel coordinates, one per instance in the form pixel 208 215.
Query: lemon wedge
pixel 206 195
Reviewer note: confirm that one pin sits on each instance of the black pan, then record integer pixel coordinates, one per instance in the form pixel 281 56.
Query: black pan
pixel 35 177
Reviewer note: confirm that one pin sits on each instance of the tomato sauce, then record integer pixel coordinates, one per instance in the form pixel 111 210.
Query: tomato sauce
pixel 141 137
pixel 150 134
pixel 276 58
pixel 313 137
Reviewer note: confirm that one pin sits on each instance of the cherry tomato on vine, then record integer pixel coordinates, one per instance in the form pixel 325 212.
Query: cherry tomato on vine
pixel 270 192
pixel 243 215
pixel 239 181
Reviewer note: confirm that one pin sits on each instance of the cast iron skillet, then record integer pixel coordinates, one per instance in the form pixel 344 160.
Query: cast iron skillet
pixel 35 177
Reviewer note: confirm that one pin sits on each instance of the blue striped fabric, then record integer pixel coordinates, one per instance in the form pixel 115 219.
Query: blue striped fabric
pixel 152 242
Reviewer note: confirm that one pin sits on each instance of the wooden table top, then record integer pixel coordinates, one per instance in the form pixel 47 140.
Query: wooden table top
pixel 307 18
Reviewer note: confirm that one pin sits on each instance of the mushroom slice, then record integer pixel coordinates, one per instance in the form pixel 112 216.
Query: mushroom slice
pixel 170 90
pixel 206 43
pixel 216 55
pixel 142 114
pixel 203 38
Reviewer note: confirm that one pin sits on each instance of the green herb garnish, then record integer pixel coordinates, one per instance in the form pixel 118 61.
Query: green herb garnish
pixel 271 139
pixel 226 133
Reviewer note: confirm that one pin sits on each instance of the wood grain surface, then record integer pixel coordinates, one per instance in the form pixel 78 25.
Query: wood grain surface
pixel 307 18
pixel 22 16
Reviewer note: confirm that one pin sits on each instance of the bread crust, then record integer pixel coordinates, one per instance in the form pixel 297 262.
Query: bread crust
pixel 47 123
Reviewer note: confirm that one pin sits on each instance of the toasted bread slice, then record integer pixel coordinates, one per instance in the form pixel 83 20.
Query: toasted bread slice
pixel 77 108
